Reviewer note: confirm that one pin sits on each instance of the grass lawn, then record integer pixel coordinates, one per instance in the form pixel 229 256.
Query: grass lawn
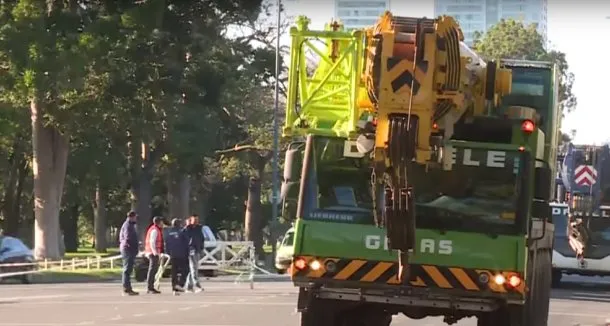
pixel 85 252
pixel 81 275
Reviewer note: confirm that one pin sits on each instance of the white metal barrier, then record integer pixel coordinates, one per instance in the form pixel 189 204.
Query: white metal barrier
pixel 235 257
pixel 88 263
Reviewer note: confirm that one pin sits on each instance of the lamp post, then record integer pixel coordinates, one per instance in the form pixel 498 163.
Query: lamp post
pixel 275 198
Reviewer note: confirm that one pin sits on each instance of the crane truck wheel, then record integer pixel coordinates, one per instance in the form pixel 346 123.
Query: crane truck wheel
pixel 535 311
pixel 319 313
pixel 557 275
pixel 322 312
pixel 365 316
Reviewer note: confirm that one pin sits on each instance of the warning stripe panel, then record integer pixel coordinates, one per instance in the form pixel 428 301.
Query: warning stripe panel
pixel 383 272
pixel 400 72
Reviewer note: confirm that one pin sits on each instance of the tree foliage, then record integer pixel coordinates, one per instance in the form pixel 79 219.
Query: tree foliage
pixel 510 39
pixel 144 93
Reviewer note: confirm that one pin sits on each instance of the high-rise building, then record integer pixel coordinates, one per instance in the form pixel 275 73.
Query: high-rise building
pixel 479 15
pixel 360 13
pixel 354 13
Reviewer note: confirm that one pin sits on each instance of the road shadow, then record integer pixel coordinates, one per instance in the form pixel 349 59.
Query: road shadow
pixel 585 290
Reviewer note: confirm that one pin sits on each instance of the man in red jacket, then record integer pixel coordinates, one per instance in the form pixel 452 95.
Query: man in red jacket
pixel 153 249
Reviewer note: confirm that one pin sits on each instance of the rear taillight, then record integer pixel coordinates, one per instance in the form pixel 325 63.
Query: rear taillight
pixel 300 263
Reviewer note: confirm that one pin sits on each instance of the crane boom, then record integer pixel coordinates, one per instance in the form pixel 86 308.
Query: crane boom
pixel 420 84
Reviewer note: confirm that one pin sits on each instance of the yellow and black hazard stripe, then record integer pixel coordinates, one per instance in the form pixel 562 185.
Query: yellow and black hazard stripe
pixel 381 272
pixel 400 72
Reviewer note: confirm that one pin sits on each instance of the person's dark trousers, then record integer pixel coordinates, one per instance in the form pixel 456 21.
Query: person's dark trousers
pixel 153 268
pixel 185 272
pixel 128 263
pixel 178 271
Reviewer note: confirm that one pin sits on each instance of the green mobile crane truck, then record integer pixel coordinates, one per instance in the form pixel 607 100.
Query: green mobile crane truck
pixel 420 176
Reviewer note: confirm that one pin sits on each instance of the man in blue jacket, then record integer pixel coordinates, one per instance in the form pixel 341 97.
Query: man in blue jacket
pixel 128 238
pixel 177 247
pixel 194 233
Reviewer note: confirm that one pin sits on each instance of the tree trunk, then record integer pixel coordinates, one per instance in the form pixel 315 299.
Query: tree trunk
pixel 253 215
pixel 50 150
pixel 14 178
pixel 178 194
pixel 142 163
pixel 200 204
pixel 69 224
pixel 143 199
pixel 14 217
pixel 99 219
pixel 201 191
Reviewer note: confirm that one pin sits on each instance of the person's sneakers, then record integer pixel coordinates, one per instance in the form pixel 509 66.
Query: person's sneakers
pixel 130 293
pixel 178 288
pixel 153 291
pixel 177 292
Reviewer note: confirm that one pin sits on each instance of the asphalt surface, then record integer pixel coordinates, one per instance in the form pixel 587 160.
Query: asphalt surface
pixel 224 303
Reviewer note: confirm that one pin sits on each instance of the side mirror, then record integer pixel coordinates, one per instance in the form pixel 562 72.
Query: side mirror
pixel 542 210
pixel 293 164
pixel 542 181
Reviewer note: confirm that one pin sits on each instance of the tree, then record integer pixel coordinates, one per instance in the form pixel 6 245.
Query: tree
pixel 510 39
pixel 122 96
pixel 44 69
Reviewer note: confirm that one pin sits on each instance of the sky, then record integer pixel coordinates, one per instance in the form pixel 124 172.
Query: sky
pixel 579 29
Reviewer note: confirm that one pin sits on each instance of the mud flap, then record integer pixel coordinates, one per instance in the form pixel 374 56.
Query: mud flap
pixel 304 299
pixel 315 311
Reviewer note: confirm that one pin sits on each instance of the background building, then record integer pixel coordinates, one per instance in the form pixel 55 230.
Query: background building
pixel 479 15
pixel 355 13
pixel 360 13
pixel 363 13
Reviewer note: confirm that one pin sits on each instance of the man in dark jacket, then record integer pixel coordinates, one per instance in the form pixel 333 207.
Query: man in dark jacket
pixel 195 236
pixel 177 247
pixel 128 238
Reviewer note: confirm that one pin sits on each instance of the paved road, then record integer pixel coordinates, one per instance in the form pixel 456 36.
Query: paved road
pixel 227 304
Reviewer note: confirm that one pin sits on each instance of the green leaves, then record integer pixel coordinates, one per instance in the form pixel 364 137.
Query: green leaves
pixel 114 74
pixel 510 39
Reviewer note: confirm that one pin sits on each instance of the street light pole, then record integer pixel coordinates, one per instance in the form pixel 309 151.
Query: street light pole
pixel 275 198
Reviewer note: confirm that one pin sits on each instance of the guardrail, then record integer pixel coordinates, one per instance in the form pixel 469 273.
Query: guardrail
pixel 74 264
pixel 233 257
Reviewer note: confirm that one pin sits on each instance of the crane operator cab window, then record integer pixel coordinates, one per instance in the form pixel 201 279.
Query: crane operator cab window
pixel 532 86
pixel 337 187
pixel 598 227
pixel 477 190
pixel 481 191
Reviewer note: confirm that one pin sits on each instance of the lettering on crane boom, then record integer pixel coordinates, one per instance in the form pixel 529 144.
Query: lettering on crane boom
pixel 559 211
pixel 431 246
pixel 601 213
pixel 481 158
pixel 604 211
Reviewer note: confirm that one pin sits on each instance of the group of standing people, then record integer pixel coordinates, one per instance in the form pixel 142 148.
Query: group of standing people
pixel 183 244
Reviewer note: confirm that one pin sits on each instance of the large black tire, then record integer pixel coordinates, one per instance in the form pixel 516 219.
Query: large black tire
pixel 329 313
pixel 366 316
pixel 557 275
pixel 319 313
pixel 535 311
